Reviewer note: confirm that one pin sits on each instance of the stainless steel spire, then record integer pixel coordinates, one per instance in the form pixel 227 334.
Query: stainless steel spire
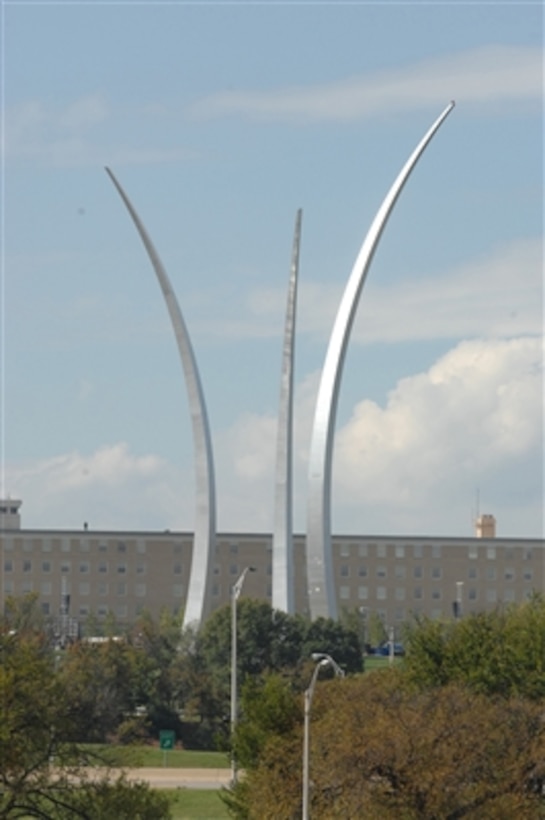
pixel 282 553
pixel 321 583
pixel 200 581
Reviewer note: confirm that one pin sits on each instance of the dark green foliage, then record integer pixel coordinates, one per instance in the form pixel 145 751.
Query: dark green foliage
pixel 501 653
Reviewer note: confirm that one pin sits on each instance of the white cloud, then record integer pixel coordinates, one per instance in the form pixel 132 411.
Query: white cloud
pixel 475 415
pixel 71 135
pixel 473 419
pixel 486 74
pixel 110 488
pixel 498 295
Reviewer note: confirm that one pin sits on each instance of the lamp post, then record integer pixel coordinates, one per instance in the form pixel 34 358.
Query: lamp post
pixel 236 589
pixel 322 660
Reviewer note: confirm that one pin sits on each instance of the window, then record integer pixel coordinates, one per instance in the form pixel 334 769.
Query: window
pixel 362 550
pixel 381 593
pixel 381 551
pixel 27 565
pixel 362 572
pixel 177 569
pixel 417 593
pixel 102 610
pixel 8 587
pixel 400 593
pixel 436 551
pixel 400 551
pixel 344 593
pixel 491 553
pixel 103 547
pixel 363 593
pixel 400 572
pixel 140 569
pixel 140 590
pixel 141 547
pixel 528 554
pixel 84 611
pixel 215 590
pixel 509 554
pixel 509 574
pixel 121 610
pixel 436 572
pixel 45 607
pixel 8 565
pixel 84 566
pixel 436 594
pixel 121 588
pixel 417 572
pixel 345 571
pixel 527 574
pixel 509 596
pixel 177 590
pixel 102 588
pixel 84 587
pixel 381 572
pixel 345 550
pixel 418 551
pixel 103 566
pixel 473 573
pixel 46 545
pixel 121 546
pixel 65 546
pixel 472 552
pixel 472 594
pixel 45 588
pixel 121 569
pixel 233 548
pixel 233 569
pixel 26 587
pixel 491 573
pixel 399 613
pixel 46 566
pixel 65 566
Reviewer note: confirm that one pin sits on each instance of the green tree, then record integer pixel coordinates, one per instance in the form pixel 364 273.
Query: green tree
pixel 382 748
pixel 500 652
pixel 42 773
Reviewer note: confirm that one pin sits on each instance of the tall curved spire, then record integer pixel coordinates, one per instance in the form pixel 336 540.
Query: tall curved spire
pixel 283 596
pixel 200 581
pixel 321 583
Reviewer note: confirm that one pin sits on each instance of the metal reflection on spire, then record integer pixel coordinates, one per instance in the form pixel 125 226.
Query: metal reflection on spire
pixel 321 584
pixel 200 581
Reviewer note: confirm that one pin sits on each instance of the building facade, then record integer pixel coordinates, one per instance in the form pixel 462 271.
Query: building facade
pixel 124 573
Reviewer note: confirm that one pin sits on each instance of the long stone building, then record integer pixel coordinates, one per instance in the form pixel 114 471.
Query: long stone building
pixel 124 573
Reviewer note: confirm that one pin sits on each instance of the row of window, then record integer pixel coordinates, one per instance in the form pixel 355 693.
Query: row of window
pixel 84 567
pixel 63 545
pixel 417 551
pixel 121 588
pixel 436 594
pixel 436 573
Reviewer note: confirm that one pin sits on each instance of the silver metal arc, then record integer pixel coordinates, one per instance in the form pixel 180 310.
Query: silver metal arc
pixel 200 581
pixel 321 586
pixel 283 595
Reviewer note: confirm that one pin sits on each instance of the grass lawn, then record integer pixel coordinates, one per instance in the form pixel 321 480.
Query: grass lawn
pixel 379 662
pixel 153 757
pixel 197 804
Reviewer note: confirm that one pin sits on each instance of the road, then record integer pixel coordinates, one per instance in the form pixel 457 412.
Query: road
pixel 164 778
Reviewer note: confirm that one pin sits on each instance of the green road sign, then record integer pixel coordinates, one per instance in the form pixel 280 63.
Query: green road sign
pixel 167 739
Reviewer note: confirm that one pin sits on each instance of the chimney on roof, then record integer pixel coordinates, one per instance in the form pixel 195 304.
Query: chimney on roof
pixel 485 526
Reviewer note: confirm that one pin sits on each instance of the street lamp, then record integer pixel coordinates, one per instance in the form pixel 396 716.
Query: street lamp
pixel 322 660
pixel 236 589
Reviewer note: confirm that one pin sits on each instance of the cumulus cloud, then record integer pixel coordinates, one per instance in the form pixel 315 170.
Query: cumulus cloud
pixel 494 73
pixel 410 466
pixel 477 413
pixel 110 488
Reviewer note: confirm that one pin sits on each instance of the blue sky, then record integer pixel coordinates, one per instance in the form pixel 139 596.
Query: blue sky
pixel 220 120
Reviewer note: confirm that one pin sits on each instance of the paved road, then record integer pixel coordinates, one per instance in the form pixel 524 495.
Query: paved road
pixel 164 778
